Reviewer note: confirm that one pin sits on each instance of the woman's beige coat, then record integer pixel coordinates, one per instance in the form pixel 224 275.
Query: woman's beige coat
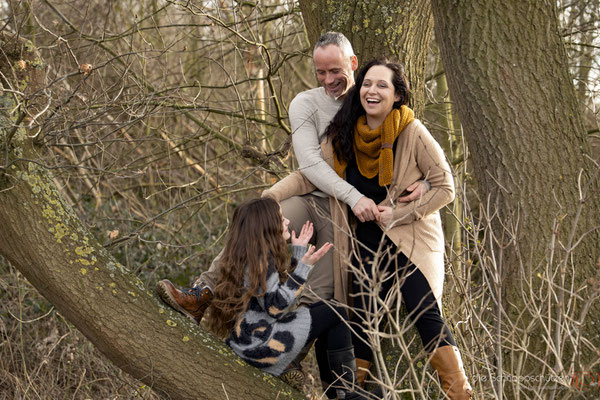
pixel 416 227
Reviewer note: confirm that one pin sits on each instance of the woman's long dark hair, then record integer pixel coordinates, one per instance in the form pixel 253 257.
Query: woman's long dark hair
pixel 341 127
pixel 255 236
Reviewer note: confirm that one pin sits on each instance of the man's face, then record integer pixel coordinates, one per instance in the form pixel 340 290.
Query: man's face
pixel 335 72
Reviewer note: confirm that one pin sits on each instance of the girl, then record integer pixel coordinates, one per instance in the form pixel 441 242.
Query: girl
pixel 257 289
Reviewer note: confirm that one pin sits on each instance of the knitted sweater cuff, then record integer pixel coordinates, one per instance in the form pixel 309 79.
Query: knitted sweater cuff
pixel 355 196
pixel 298 252
pixel 302 270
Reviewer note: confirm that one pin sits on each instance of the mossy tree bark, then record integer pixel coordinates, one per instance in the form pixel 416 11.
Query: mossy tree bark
pixel 508 75
pixel 452 144
pixel 51 247
pixel 400 30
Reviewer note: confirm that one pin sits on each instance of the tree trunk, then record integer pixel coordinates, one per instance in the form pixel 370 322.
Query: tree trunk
pixel 508 75
pixel 451 143
pixel 49 244
pixel 400 30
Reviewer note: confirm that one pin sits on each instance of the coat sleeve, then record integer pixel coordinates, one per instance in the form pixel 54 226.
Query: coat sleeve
pixel 432 163
pixel 280 296
pixel 295 184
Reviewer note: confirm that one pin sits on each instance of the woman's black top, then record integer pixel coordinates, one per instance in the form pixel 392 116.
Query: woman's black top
pixel 368 233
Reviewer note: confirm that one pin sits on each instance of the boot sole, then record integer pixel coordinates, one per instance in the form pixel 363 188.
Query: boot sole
pixel 294 377
pixel 165 296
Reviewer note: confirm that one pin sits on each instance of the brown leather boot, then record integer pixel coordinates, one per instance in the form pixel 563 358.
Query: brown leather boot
pixel 362 370
pixel 191 302
pixel 447 362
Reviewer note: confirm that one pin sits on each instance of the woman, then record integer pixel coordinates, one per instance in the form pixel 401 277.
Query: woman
pixel 378 146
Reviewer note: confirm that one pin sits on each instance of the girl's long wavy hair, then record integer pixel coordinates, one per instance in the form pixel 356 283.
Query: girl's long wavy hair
pixel 341 128
pixel 254 239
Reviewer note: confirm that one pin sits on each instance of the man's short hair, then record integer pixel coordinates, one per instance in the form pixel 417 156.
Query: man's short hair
pixel 338 39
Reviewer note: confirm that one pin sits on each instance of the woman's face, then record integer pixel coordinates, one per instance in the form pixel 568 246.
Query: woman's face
pixel 285 222
pixel 377 94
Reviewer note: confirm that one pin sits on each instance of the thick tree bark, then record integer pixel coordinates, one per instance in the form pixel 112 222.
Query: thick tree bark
pixel 452 145
pixel 48 243
pixel 400 30
pixel 508 75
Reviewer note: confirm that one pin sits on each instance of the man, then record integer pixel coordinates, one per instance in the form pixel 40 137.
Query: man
pixel 310 113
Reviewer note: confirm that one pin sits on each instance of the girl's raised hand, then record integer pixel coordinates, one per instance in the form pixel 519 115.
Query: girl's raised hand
pixel 305 234
pixel 311 256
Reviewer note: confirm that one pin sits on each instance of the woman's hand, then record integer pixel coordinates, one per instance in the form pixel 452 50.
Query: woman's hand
pixel 305 235
pixel 385 215
pixel 311 256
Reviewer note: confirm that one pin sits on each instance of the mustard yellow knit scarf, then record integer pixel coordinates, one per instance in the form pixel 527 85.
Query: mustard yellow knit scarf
pixel 373 149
